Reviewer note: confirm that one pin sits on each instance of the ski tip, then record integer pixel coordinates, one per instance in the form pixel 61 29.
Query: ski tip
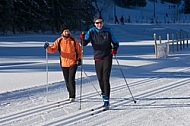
pixel 105 108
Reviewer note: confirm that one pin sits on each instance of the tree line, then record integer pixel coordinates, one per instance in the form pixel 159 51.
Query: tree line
pixel 21 16
pixel 142 3
pixel 44 15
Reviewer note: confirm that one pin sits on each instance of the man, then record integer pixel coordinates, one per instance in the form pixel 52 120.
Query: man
pixel 105 46
pixel 70 58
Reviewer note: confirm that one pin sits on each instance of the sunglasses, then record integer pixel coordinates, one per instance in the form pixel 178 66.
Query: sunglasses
pixel 99 22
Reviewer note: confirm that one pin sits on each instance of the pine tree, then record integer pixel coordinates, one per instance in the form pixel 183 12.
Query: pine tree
pixel 44 15
pixel 187 7
pixel 130 3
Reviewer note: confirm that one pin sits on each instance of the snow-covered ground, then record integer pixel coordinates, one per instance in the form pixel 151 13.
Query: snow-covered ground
pixel 160 86
pixel 153 12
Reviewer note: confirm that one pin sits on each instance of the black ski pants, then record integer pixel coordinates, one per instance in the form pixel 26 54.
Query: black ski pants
pixel 103 70
pixel 69 76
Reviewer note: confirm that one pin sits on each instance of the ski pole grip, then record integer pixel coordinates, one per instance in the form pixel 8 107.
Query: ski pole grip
pixel 82 37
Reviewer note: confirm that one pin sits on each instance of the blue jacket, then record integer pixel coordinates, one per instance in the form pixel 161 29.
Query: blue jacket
pixel 102 40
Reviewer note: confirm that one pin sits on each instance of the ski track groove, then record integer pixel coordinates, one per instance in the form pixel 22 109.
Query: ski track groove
pixel 13 117
pixel 40 109
pixel 116 106
pixel 30 111
pixel 112 117
pixel 71 118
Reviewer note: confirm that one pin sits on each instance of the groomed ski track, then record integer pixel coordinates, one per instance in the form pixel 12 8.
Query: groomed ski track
pixel 148 92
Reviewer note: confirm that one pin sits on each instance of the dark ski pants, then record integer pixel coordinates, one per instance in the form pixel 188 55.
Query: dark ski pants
pixel 103 70
pixel 69 76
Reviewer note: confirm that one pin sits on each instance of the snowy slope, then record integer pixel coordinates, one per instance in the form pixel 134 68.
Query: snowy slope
pixel 164 13
pixel 160 86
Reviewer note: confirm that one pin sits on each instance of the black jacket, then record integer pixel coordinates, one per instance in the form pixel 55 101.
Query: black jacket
pixel 102 41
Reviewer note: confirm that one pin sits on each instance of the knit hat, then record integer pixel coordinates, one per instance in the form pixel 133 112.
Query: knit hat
pixel 99 17
pixel 64 27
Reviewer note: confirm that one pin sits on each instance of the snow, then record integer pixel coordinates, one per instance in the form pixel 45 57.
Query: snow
pixel 160 86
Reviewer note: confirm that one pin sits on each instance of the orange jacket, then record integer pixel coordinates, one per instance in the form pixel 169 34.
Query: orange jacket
pixel 68 50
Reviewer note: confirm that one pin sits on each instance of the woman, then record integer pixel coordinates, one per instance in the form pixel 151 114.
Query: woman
pixel 70 58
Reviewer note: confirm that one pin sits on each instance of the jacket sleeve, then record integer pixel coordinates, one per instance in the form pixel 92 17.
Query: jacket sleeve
pixel 54 47
pixel 115 42
pixel 78 49
pixel 87 38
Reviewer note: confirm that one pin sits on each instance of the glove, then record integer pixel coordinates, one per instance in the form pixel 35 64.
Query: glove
pixel 114 52
pixel 79 62
pixel 82 36
pixel 46 45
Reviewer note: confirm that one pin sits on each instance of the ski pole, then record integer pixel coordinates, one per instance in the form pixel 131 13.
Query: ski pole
pixel 125 79
pixel 81 87
pixel 91 83
pixel 47 75
pixel 81 73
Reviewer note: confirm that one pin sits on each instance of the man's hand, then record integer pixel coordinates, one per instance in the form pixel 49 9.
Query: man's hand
pixel 114 52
